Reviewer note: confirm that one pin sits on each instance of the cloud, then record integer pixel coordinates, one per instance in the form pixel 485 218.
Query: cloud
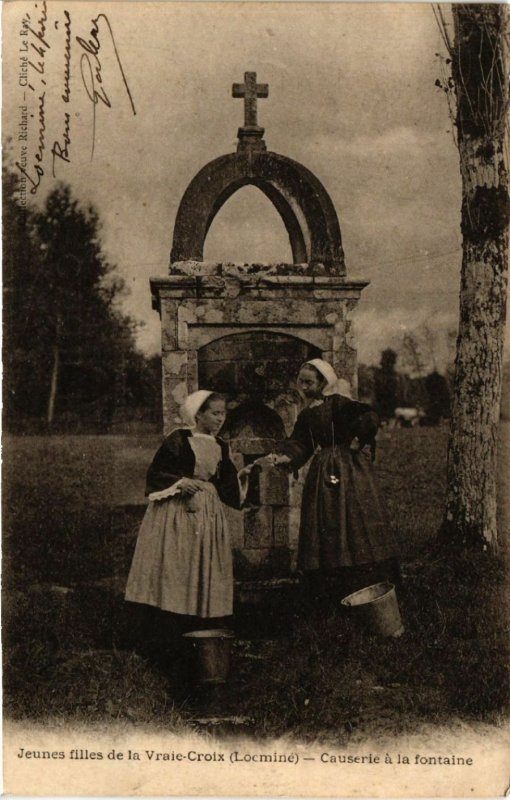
pixel 351 96
pixel 376 329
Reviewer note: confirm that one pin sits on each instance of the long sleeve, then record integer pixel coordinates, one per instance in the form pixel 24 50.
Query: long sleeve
pixel 299 447
pixel 226 480
pixel 172 461
pixel 366 427
pixel 356 420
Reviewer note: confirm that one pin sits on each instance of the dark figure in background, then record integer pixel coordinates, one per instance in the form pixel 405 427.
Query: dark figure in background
pixel 344 529
pixel 386 385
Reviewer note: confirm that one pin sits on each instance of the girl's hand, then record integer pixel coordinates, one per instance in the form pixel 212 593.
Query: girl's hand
pixel 189 486
pixel 272 460
pixel 280 459
pixel 244 472
pixel 355 444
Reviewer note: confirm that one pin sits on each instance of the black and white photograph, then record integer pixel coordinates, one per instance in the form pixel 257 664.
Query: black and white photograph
pixel 256 383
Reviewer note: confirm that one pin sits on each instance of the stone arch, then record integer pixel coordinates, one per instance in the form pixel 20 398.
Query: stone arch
pixel 299 197
pixel 252 362
pixel 314 337
pixel 299 245
pixel 253 418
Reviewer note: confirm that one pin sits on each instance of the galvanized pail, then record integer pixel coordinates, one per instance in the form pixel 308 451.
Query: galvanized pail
pixel 211 651
pixel 377 607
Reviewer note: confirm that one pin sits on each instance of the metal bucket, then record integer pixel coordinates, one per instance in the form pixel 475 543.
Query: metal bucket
pixel 377 607
pixel 211 654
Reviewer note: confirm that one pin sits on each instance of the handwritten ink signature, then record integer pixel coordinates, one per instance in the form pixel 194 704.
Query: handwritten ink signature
pixel 61 149
pixel 39 35
pixel 90 67
pixel 92 76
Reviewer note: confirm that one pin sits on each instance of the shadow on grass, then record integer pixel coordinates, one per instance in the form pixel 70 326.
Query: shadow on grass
pixel 310 672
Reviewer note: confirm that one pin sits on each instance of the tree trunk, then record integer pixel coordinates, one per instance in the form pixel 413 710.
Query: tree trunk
pixel 479 69
pixel 54 383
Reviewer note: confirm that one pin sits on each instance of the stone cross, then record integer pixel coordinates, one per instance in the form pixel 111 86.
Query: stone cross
pixel 250 90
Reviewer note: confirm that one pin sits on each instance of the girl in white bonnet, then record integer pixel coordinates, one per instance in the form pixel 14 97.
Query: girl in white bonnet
pixel 183 558
pixel 344 528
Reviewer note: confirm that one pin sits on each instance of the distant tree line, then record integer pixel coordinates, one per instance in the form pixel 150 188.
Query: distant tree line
pixel 70 360
pixel 388 389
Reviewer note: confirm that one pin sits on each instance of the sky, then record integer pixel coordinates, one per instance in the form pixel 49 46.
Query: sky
pixel 352 96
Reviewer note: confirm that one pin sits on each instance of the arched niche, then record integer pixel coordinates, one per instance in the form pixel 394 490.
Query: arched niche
pixel 247 229
pixel 254 363
pixel 299 197
pixel 253 419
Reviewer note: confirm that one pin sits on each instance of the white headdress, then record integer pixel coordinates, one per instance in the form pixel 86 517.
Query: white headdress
pixel 334 385
pixel 192 406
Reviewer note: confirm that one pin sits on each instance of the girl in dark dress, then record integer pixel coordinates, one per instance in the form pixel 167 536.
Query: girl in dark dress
pixel 344 529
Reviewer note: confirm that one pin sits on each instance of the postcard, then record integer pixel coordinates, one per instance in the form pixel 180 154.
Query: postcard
pixel 255 458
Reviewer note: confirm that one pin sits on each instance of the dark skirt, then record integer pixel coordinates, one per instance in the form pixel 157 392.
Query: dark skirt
pixel 343 518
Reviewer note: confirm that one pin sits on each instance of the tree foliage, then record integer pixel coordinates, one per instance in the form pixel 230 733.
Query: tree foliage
pixel 389 389
pixel 70 355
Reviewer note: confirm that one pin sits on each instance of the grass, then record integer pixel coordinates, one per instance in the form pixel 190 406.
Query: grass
pixel 340 682
pixel 411 469
pixel 74 650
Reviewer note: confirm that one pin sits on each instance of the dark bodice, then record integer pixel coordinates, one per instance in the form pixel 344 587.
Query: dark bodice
pixel 175 459
pixel 335 422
